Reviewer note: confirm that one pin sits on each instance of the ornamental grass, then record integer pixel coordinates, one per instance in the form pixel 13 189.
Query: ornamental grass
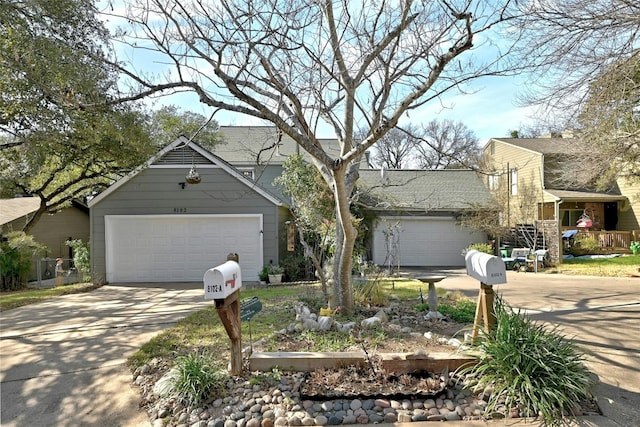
pixel 530 369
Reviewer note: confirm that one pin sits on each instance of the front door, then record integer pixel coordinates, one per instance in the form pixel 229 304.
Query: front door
pixel 611 216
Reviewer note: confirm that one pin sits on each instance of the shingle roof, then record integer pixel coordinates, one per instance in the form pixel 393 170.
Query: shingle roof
pixel 250 144
pixel 545 145
pixel 11 209
pixel 591 196
pixel 424 190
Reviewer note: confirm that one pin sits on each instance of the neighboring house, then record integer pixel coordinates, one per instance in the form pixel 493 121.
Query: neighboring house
pixel 416 214
pixel 52 230
pixel 153 226
pixel 528 176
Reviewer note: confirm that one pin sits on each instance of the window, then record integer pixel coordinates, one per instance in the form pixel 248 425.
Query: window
pixel 570 217
pixel 514 182
pixel 494 181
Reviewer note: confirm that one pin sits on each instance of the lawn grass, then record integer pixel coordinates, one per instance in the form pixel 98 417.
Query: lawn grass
pixel 623 266
pixel 13 299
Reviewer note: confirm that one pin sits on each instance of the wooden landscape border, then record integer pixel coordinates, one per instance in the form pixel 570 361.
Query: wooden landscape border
pixel 398 363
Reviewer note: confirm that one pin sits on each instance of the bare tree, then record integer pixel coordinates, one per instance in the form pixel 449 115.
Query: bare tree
pixel 570 42
pixel 436 145
pixel 448 145
pixel 300 63
pixel 397 148
pixel 610 123
pixel 586 55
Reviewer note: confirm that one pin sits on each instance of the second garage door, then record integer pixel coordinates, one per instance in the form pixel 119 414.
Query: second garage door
pixel 420 241
pixel 180 248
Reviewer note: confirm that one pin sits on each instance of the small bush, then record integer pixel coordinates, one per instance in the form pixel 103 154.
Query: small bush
pixel 481 247
pixel 193 379
pixel 585 245
pixel 81 256
pixel 370 292
pixel 462 311
pixel 530 368
pixel 16 253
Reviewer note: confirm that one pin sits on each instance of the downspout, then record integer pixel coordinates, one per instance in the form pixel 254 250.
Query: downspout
pixel 556 213
pixel 508 196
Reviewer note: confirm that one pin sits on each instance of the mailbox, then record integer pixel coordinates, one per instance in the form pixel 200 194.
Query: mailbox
pixel 222 281
pixel 488 269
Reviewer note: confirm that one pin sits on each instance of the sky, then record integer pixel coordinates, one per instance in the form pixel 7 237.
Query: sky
pixel 489 109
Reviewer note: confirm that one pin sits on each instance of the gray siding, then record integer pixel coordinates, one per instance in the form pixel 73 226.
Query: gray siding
pixel 156 191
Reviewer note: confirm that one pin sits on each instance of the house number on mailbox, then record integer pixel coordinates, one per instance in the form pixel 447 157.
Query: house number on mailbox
pixel 179 210
pixel 214 288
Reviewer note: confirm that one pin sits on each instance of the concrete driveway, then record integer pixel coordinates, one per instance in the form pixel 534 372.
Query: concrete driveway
pixel 62 362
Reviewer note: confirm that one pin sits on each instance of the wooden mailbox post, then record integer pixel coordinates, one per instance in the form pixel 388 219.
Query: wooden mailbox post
pixel 222 284
pixel 489 270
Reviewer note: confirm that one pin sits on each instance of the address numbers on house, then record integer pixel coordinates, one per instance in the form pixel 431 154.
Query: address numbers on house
pixel 179 210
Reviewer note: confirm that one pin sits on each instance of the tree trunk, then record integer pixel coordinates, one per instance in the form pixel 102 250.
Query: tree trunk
pixel 343 258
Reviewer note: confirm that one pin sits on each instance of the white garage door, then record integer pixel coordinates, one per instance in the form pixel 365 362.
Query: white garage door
pixel 172 248
pixel 421 241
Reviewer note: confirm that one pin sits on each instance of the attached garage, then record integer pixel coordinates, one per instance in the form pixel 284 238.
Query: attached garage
pixel 169 248
pixel 156 226
pixel 416 213
pixel 421 241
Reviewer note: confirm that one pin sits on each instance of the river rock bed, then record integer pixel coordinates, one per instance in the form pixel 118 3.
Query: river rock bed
pixel 275 400
pixel 268 399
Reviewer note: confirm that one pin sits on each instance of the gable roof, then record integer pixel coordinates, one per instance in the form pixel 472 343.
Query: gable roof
pixel 422 190
pixel 12 209
pixel 184 153
pixel 250 145
pixel 544 145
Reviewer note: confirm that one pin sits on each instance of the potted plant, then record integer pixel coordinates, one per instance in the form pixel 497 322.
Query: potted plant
pixel 263 275
pixel 275 273
pixel 635 247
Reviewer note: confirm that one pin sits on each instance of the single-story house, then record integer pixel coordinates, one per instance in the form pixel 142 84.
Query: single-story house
pixel 52 230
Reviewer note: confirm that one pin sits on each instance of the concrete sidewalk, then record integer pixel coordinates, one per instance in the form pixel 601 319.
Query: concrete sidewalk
pixel 62 362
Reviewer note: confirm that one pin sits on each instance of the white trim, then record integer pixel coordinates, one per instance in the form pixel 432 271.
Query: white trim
pixel 401 217
pixel 176 166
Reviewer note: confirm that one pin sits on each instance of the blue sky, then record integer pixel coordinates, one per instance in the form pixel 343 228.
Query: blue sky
pixel 489 108
pixel 491 111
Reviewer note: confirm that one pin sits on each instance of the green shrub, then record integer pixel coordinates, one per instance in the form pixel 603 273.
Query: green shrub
pixel 16 253
pixel 530 368
pixel 585 245
pixel 193 379
pixel 81 255
pixel 462 311
pixel 481 247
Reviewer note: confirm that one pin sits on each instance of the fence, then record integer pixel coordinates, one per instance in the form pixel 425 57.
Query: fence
pixel 612 241
pixel 48 276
